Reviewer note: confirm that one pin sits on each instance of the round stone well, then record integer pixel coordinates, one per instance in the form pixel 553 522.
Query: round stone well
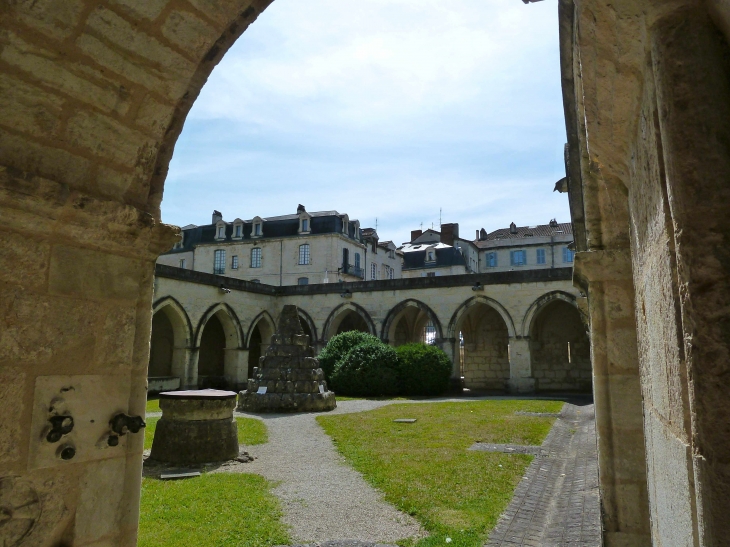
pixel 196 427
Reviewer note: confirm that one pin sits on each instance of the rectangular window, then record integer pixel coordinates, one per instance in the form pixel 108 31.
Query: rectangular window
pixel 305 225
pixel 234 262
pixel 182 263
pixel 256 257
pixel 238 230
pixel 541 256
pixel 518 258
pixel 221 231
pixel 390 273
pixel 567 255
pixel 257 229
pixel 303 281
pixel 304 254
pixel 373 270
pixel 492 260
pixel 431 274
pixel 357 261
pixel 219 262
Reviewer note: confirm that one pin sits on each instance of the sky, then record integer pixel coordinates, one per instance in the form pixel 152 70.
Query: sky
pixel 398 112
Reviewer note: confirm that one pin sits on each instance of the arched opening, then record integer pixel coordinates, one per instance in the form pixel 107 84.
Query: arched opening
pixel 218 347
pixel 484 348
pixel 162 345
pixel 307 330
pixel 347 317
pixel 258 340
pixel 413 323
pixel 169 348
pixel 560 349
pixel 212 354
pixel 351 320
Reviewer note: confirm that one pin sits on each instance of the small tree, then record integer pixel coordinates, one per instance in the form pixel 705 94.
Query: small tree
pixel 338 346
pixel 422 369
pixel 369 369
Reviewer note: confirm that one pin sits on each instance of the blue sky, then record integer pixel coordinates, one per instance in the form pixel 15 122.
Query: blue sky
pixel 387 109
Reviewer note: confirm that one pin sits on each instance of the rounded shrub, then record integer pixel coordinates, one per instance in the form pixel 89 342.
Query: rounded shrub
pixel 422 369
pixel 369 369
pixel 338 346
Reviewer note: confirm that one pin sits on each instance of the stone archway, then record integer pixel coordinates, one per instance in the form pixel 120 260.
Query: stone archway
pixel 560 349
pixel 484 336
pixel 219 342
pixel 170 343
pixel 259 337
pixel 347 317
pixel 411 321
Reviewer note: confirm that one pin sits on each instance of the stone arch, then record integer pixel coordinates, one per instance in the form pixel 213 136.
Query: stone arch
pixel 219 340
pixel 417 315
pixel 258 338
pixel 341 313
pixel 473 301
pixel 538 304
pixel 308 325
pixel 170 341
pixel 483 330
pixel 559 348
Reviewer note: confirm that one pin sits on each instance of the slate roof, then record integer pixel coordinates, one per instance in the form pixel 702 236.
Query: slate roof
pixel 445 256
pixel 526 232
pixel 322 222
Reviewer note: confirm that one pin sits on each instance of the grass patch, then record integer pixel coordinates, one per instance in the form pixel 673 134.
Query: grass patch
pixel 250 431
pixel 425 469
pixel 214 510
pixel 153 405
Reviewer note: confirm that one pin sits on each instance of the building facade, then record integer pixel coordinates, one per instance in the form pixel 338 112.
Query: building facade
pixel 526 247
pixel 432 253
pixel 297 249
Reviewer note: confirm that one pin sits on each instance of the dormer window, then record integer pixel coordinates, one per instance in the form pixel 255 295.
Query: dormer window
pixel 220 230
pixel 345 224
pixel 258 227
pixel 305 222
pixel 237 229
pixel 305 225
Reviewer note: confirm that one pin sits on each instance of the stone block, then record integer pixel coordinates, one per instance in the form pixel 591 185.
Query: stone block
pixel 12 391
pixel 24 261
pixel 190 33
pixel 33 110
pixel 150 9
pixel 93 274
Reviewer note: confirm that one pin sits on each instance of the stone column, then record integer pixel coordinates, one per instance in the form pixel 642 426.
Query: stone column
pixel 190 381
pixel 606 277
pixel 520 366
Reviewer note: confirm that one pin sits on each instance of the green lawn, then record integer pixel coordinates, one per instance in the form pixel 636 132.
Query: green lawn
pixel 153 405
pixel 213 510
pixel 425 468
pixel 250 431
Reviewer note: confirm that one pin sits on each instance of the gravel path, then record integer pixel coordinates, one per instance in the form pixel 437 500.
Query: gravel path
pixel 323 498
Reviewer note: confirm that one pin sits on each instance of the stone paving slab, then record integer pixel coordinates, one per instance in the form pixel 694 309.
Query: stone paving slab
pixel 557 503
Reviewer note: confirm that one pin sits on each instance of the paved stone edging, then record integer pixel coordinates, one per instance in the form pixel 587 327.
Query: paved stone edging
pixel 557 502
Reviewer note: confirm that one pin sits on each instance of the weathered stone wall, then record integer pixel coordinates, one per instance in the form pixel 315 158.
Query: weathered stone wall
pixel 650 162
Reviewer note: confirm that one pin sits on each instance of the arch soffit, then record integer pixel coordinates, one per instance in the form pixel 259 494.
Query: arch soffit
pixel 312 327
pixel 538 305
pixel 404 305
pixel 213 310
pixel 263 316
pixel 474 301
pixel 177 308
pixel 349 306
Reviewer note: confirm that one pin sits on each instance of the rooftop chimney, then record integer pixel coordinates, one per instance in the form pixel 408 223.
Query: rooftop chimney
pixel 415 234
pixel 553 223
pixel 482 235
pixel 300 209
pixel 217 216
pixel 449 232
pixel 512 228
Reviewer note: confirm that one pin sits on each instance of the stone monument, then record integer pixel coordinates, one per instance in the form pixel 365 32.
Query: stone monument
pixel 288 378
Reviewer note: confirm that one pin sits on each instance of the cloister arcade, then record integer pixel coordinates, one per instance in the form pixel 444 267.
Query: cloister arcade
pixel 548 351
pixel 94 97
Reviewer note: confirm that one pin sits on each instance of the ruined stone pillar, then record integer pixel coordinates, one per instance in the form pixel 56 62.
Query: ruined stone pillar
pixel 606 277
pixel 520 366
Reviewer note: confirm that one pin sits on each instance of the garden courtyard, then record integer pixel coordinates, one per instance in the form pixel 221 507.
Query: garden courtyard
pixel 467 472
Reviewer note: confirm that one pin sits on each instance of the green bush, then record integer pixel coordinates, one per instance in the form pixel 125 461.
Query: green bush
pixel 369 369
pixel 338 346
pixel 422 370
